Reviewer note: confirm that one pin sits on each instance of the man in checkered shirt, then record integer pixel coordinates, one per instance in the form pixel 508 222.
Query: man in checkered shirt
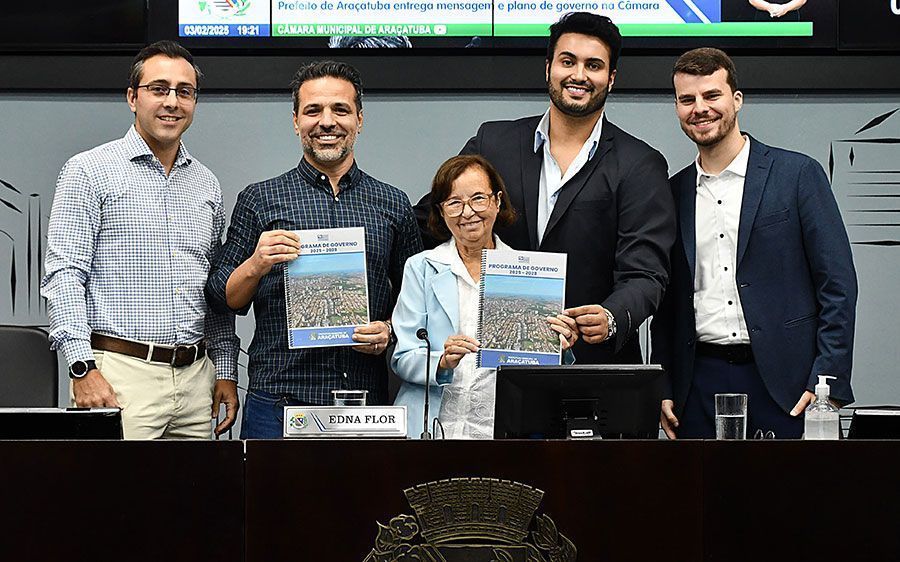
pixel 325 190
pixel 134 226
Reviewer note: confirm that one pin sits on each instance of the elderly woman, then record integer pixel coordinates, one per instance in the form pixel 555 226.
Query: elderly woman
pixel 440 293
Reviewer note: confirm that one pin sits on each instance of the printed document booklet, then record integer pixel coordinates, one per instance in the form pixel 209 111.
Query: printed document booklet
pixel 326 292
pixel 518 291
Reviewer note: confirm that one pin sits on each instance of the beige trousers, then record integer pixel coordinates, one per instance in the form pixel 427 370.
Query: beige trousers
pixel 159 401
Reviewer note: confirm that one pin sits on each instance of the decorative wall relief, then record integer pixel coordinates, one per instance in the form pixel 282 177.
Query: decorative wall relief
pixel 867 168
pixel 23 240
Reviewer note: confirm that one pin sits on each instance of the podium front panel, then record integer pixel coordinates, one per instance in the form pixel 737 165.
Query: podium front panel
pixel 121 500
pixel 616 501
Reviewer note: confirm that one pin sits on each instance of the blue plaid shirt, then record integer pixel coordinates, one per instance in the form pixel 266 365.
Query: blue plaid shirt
pixel 301 199
pixel 129 250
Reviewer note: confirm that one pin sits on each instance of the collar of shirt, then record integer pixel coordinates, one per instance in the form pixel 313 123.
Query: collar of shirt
pixel 553 179
pixel 316 177
pixel 738 166
pixel 137 147
pixel 542 134
pixel 447 254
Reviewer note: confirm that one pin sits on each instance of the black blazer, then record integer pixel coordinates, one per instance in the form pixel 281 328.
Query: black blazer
pixel 795 278
pixel 615 219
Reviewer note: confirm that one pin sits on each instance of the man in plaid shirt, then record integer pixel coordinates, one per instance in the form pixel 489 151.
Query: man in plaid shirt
pixel 134 226
pixel 325 190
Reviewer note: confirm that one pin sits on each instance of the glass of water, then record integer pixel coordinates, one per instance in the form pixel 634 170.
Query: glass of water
pixel 731 416
pixel 349 397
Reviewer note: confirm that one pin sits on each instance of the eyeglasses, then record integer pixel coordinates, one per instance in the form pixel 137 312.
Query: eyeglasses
pixel 478 202
pixel 184 93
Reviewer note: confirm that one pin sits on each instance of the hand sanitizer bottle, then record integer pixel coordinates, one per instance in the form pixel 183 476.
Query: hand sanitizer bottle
pixel 822 420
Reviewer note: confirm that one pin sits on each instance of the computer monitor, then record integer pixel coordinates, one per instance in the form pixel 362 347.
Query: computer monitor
pixel 578 401
pixel 877 422
pixel 60 423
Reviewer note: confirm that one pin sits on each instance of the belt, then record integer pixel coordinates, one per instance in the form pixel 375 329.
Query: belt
pixel 177 356
pixel 738 353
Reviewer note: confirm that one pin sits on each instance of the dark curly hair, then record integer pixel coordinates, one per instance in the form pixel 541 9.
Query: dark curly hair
pixel 593 25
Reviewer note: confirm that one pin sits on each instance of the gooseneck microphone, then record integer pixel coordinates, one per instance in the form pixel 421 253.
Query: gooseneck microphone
pixel 422 334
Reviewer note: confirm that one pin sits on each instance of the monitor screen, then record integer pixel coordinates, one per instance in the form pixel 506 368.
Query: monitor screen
pixel 578 401
pixel 878 422
pixel 60 423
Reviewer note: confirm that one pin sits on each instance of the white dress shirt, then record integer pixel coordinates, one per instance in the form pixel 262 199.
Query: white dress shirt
pixel 552 178
pixel 717 305
pixel 467 405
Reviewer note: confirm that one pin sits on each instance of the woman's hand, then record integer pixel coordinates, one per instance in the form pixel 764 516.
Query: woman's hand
pixel 566 327
pixel 455 348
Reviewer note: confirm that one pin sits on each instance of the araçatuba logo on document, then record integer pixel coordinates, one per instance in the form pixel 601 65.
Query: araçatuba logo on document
pixel 224 8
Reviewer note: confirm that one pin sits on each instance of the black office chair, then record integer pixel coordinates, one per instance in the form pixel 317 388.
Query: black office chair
pixel 30 374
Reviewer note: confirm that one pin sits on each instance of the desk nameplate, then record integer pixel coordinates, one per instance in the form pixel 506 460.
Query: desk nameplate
pixel 344 421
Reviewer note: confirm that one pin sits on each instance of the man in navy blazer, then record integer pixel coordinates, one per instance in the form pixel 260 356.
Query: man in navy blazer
pixel 584 187
pixel 762 294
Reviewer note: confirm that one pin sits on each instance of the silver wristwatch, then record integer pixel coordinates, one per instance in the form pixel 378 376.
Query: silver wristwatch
pixel 611 324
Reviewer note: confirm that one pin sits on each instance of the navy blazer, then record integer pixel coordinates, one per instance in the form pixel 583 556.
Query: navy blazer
pixel 795 278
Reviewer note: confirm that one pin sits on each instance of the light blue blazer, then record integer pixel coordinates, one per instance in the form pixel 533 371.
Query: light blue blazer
pixel 429 298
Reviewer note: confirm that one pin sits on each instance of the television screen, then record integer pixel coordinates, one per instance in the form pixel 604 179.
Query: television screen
pixel 65 24
pixel 483 24
pixel 870 25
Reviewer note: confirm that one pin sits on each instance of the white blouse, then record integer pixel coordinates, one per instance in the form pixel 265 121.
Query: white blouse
pixel 467 405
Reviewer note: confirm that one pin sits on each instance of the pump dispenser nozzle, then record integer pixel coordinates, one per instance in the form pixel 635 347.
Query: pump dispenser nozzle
pixel 822 389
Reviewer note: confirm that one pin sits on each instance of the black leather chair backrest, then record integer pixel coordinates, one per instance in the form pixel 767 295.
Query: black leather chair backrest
pixel 29 377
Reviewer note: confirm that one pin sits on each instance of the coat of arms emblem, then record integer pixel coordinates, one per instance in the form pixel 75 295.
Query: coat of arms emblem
pixel 472 520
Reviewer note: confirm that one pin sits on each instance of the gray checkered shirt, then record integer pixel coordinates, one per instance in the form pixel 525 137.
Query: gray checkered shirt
pixel 129 250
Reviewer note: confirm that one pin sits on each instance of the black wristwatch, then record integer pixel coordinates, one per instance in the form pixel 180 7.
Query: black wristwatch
pixel 79 369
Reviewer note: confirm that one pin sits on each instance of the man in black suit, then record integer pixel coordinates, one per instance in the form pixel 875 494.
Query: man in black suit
pixel 762 297
pixel 584 187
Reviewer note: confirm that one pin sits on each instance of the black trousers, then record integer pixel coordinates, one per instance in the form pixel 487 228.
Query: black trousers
pixel 717 376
